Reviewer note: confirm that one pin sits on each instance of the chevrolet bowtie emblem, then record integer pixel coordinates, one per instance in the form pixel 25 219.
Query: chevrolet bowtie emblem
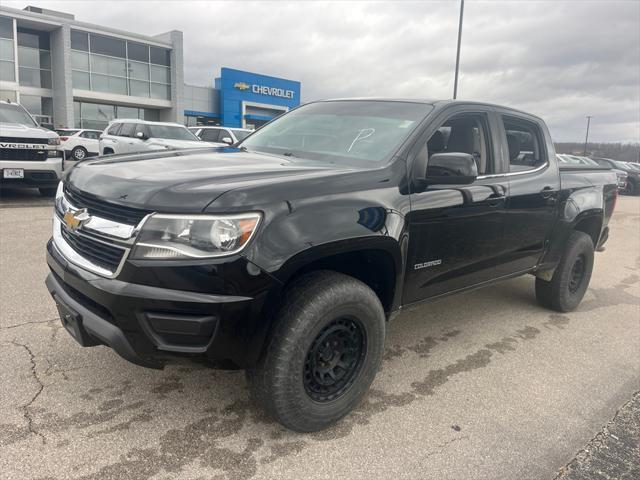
pixel 242 86
pixel 74 219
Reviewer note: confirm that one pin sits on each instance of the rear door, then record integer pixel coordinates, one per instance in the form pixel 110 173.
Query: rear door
pixel 534 185
pixel 456 231
pixel 90 140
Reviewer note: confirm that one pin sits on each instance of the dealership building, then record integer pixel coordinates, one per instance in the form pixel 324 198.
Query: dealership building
pixel 69 73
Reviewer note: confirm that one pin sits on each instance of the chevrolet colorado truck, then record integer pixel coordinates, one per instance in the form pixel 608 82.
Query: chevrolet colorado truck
pixel 29 155
pixel 285 254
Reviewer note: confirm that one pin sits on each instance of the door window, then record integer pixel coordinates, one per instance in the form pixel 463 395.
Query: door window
pixel 127 130
pixel 210 134
pixel 113 130
pixel 90 135
pixel 525 142
pixel 465 133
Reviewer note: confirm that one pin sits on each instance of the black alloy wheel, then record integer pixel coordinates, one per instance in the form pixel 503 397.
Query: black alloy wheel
pixel 334 359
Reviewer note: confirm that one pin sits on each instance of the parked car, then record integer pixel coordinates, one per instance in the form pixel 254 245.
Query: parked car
pixel 222 136
pixel 285 256
pixel 79 144
pixel 29 155
pixel 633 175
pixel 131 136
pixel 620 174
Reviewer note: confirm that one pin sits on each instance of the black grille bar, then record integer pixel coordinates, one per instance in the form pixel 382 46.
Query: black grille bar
pixel 98 253
pixel 100 208
pixel 22 154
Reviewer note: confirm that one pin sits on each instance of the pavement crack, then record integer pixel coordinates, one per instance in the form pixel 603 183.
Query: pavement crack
pixel 440 448
pixel 35 322
pixel 25 408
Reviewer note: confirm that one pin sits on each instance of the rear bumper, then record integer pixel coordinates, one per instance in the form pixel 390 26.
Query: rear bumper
pixel 148 324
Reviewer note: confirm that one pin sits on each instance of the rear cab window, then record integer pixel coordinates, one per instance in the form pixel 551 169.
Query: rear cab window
pixel 113 129
pixel 525 144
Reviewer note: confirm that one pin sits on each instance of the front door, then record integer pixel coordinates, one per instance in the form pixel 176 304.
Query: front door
pixel 456 231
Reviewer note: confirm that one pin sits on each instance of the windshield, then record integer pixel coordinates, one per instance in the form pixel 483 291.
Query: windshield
pixel 15 114
pixel 346 131
pixel 240 134
pixel 171 133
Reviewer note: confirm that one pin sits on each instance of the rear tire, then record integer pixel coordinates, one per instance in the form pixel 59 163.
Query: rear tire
pixel 79 153
pixel 323 353
pixel 571 278
pixel 631 188
pixel 47 191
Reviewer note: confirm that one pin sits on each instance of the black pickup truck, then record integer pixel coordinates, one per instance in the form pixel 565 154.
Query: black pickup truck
pixel 285 254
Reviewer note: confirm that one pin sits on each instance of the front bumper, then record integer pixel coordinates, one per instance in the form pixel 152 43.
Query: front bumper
pixel 45 173
pixel 150 314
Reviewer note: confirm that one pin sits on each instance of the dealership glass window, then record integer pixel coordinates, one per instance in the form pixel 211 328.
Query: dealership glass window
pixel 79 40
pixel 34 58
pixel 160 56
pixel 37 105
pixel 80 61
pixel 138 88
pixel 139 71
pixel 108 66
pixel 6 27
pixel 97 116
pixel 138 52
pixel 31 77
pixel 160 91
pixel 116 66
pixel 113 47
pixel 80 80
pixel 108 84
pixel 7 71
pixel 7 60
pixel 8 95
pixel 6 50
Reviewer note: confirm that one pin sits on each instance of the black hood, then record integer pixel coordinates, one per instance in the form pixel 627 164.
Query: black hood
pixel 186 180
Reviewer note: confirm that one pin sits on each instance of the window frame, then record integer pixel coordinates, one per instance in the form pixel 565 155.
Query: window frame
pixel 514 117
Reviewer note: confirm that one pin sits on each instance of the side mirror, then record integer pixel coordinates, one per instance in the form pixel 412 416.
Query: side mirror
pixel 451 169
pixel 141 135
pixel 227 140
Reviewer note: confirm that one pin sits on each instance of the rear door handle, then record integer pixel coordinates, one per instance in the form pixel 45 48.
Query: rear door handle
pixel 547 192
pixel 495 200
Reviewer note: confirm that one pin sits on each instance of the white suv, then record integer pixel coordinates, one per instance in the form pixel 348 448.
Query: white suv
pixel 129 136
pixel 79 144
pixel 221 136
pixel 29 155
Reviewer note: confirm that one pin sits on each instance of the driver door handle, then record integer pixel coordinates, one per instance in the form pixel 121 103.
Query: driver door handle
pixel 547 192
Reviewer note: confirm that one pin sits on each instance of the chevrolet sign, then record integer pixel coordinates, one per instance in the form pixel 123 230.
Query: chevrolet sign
pixel 264 90
pixel 23 146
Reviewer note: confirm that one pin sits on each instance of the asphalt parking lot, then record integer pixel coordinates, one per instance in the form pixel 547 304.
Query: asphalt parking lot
pixel 485 385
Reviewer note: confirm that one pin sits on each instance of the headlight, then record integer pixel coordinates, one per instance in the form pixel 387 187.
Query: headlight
pixel 54 141
pixel 60 203
pixel 178 237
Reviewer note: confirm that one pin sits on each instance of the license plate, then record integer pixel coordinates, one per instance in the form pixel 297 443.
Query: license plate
pixel 13 173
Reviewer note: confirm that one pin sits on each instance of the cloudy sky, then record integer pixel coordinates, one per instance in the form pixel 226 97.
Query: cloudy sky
pixel 562 60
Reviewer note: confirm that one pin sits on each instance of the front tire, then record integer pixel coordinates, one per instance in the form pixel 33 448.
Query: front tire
pixel 571 278
pixel 631 188
pixel 323 354
pixel 79 153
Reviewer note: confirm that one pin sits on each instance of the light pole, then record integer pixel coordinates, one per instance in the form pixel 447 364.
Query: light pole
pixel 586 138
pixel 455 81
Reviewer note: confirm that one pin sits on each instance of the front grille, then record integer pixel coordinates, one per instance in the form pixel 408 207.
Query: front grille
pixel 98 253
pixel 23 154
pixel 100 208
pixel 43 141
